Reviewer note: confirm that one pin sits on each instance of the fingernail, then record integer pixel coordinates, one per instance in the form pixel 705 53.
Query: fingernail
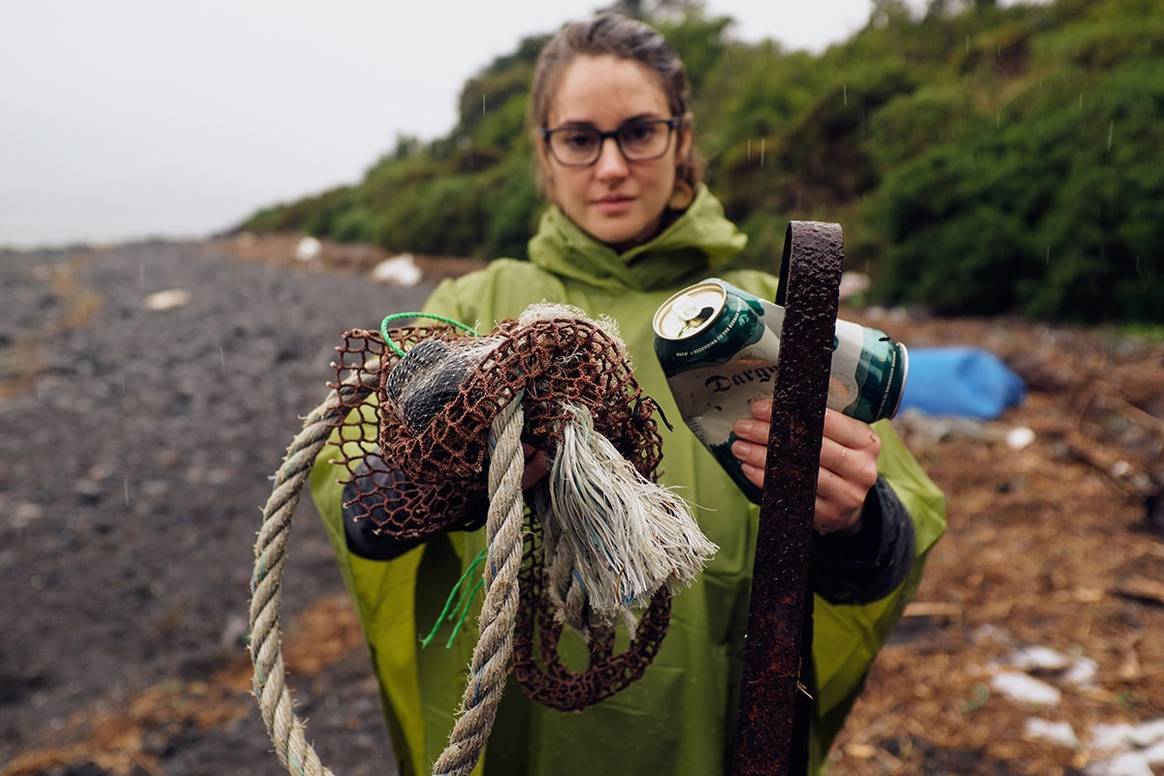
pixel 739 449
pixel 761 406
pixel 744 427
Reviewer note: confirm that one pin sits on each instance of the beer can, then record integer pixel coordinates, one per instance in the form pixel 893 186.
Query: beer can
pixel 718 346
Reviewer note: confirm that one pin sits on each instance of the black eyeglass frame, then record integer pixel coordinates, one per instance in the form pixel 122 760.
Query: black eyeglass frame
pixel 672 123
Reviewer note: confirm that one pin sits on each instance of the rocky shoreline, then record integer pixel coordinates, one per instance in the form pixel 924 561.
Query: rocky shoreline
pixel 136 449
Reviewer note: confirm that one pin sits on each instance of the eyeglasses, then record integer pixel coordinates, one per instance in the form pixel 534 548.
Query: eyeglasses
pixel 639 140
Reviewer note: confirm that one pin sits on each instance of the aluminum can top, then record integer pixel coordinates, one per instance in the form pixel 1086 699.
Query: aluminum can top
pixel 689 311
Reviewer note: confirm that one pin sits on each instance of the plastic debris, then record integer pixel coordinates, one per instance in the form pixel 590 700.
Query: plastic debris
pixel 962 382
pixel 1126 764
pixel 1082 672
pixel 399 270
pixel 308 249
pixel 1019 437
pixel 1122 735
pixel 167 300
pixel 852 284
pixel 1025 689
pixel 1038 659
pixel 1060 733
pixel 1132 749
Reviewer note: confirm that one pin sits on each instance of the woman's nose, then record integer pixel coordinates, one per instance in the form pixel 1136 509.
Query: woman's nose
pixel 611 163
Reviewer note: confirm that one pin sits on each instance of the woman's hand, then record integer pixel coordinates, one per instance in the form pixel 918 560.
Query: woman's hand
pixel 848 464
pixel 535 466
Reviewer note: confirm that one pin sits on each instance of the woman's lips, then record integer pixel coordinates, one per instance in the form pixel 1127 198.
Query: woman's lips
pixel 612 206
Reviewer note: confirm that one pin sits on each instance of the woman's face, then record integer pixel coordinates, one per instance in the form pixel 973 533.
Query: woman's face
pixel 615 201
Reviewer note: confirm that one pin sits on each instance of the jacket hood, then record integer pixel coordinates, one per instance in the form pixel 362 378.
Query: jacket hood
pixel 700 239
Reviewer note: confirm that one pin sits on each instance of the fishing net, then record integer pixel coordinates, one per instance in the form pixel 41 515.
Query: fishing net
pixel 603 541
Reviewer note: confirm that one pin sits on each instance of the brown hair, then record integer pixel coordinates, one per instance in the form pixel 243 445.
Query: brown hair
pixel 620 36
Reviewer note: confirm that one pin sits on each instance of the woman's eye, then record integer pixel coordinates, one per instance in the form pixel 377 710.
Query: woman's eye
pixel 637 133
pixel 579 139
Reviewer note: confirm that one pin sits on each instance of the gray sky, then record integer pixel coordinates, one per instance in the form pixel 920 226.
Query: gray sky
pixel 129 118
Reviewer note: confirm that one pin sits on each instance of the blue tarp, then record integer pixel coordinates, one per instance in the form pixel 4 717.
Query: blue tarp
pixel 963 381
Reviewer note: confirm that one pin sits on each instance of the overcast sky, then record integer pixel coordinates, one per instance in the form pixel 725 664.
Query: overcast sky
pixel 129 118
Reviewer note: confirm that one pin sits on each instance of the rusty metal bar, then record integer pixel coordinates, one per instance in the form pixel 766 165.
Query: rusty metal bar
pixel 774 714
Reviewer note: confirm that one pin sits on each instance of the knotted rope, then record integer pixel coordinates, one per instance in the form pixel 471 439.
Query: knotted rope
pixel 491 657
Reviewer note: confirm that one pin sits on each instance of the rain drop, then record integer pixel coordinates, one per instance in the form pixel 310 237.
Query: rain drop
pixel 763 143
pixel 141 275
pixel 482 104
pixel 845 92
pixel 1110 131
pixel 1047 258
pixel 749 150
pixel 222 359
pixel 125 482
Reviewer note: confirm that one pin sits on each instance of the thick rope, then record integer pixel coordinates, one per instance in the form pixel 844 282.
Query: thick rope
pixel 491 657
pixel 490 663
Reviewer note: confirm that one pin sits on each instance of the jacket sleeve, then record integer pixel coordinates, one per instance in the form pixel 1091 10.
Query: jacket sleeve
pixel 861 567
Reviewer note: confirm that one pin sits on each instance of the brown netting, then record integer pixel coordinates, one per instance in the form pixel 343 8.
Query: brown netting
pixel 418 459
pixel 537 663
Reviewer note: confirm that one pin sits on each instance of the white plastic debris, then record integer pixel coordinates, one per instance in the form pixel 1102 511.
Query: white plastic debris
pixel 1082 672
pixel 167 300
pixel 1148 733
pixel 308 249
pixel 1108 737
pixel 1126 764
pixel 1061 733
pixel 399 270
pixel 1019 437
pixel 1131 750
pixel 1025 689
pixel 852 284
pixel 1122 735
pixel 1038 659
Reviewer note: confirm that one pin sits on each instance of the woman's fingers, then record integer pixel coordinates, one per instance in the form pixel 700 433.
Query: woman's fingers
pixel 750 453
pixel 755 474
pixel 850 432
pixel 845 494
pixel 856 465
pixel 837 509
pixel 848 463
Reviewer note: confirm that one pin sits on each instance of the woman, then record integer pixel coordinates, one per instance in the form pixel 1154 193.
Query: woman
pixel 629 223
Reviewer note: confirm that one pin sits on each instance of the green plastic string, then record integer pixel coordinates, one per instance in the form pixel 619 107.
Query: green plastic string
pixel 468 602
pixel 397 316
pixel 458 603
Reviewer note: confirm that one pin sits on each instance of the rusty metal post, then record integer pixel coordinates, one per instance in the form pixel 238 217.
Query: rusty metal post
pixel 774 714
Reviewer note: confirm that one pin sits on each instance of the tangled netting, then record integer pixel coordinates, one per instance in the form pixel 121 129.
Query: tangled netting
pixel 418 458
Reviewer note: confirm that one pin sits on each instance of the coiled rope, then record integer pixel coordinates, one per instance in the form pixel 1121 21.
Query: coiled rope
pixel 489 666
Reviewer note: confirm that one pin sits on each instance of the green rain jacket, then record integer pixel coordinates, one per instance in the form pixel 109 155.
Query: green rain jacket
pixel 677 720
